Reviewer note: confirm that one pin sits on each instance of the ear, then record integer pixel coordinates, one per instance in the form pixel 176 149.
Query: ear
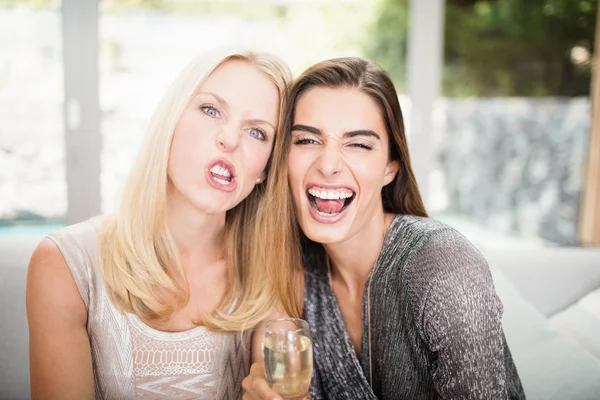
pixel 390 172
pixel 262 177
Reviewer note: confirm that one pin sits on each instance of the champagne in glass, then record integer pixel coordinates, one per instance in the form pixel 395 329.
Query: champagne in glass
pixel 287 351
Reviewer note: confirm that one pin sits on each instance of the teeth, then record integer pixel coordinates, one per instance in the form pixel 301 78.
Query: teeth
pixel 221 181
pixel 325 214
pixel 332 194
pixel 217 169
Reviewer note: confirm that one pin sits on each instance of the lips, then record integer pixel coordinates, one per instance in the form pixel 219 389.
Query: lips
pixel 220 174
pixel 329 203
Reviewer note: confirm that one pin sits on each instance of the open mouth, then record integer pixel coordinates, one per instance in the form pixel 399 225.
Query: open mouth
pixel 330 202
pixel 221 174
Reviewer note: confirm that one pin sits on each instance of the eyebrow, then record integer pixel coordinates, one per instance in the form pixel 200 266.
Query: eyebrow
pixel 260 122
pixel 350 134
pixel 219 99
pixel 225 106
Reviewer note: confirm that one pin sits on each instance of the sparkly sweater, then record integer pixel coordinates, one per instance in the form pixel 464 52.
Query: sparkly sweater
pixel 435 323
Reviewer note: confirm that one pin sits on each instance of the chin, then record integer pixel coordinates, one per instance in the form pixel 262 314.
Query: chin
pixel 208 210
pixel 324 234
pixel 211 205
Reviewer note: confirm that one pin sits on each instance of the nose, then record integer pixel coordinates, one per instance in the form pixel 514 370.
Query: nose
pixel 228 138
pixel 330 160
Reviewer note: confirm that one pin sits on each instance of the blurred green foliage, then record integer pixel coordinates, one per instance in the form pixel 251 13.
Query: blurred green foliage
pixel 491 47
pixel 31 3
pixel 213 7
pixel 499 47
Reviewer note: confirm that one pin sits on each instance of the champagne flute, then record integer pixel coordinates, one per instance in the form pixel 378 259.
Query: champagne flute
pixel 288 356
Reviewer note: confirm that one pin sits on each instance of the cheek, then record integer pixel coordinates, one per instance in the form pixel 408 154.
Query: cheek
pixel 369 172
pixel 187 148
pixel 183 149
pixel 256 156
pixel 294 176
pixel 179 144
pixel 297 167
pixel 194 130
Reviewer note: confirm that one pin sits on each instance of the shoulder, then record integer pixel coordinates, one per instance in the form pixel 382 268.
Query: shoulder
pixel 427 237
pixel 51 250
pixel 46 254
pixel 445 271
pixel 70 255
pixel 450 263
pixel 50 284
pixel 429 254
pixel 431 242
pixel 80 235
pixel 450 248
pixel 79 243
pixel 411 229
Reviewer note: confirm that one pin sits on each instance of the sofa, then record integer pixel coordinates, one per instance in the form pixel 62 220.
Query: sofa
pixel 554 340
pixel 543 290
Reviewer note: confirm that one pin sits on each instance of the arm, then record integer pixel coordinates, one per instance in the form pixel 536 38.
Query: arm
pixel 59 348
pixel 461 321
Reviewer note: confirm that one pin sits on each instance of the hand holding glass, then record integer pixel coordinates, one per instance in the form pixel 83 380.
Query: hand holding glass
pixel 288 356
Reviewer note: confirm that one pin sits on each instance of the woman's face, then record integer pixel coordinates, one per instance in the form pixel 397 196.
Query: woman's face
pixel 224 138
pixel 338 163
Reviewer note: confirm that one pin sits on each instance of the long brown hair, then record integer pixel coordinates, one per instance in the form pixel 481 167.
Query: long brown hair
pixel 278 237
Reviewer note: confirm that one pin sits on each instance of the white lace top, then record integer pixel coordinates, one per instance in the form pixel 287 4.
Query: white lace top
pixel 134 361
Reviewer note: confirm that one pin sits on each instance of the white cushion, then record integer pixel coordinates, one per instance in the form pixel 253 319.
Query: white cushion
pixel 581 322
pixel 551 366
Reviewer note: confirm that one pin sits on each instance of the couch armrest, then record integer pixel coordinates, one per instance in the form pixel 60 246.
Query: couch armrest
pixel 550 278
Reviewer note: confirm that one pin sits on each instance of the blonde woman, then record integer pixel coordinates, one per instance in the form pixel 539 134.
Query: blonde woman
pixel 152 302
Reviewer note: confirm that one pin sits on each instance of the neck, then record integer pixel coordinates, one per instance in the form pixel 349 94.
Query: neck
pixel 353 259
pixel 198 236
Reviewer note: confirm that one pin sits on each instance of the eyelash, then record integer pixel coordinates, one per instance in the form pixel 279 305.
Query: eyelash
pixel 263 135
pixel 309 141
pixel 205 107
pixel 304 141
pixel 362 145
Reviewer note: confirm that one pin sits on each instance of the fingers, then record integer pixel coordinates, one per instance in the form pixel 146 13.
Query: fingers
pixel 246 385
pixel 256 385
pixel 264 391
pixel 257 370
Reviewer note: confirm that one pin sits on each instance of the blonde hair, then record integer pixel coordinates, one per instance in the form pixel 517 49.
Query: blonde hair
pixel 282 245
pixel 139 258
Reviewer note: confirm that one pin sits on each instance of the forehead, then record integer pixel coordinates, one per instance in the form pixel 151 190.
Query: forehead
pixel 338 110
pixel 241 84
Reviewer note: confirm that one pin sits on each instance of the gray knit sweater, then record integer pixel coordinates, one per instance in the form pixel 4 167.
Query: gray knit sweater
pixel 435 323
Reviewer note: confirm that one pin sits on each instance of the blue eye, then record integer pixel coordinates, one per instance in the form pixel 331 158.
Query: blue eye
pixel 210 111
pixel 257 133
